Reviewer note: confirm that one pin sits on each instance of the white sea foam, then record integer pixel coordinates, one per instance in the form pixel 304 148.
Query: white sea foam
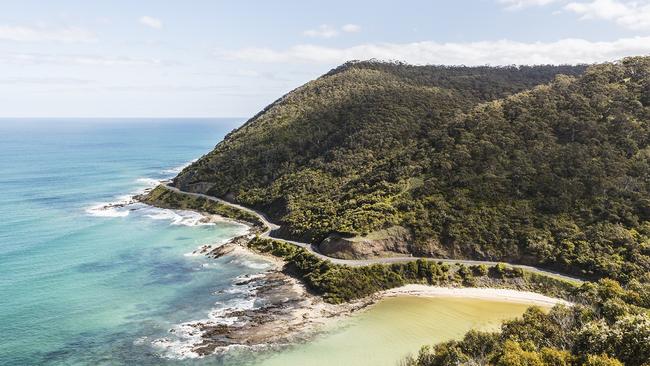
pixel 179 168
pixel 200 251
pixel 219 315
pixel 123 204
pixel 247 277
pixel 140 340
pixel 106 210
pixel 148 182
pixel 117 208
pixel 188 335
pixel 177 217
pixel 242 261
pixel 257 265
pixel 244 301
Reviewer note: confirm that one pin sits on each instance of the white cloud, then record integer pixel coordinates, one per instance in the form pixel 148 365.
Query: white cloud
pixel 151 22
pixel 503 52
pixel 351 28
pixel 633 15
pixel 35 80
pixel 328 31
pixel 44 34
pixel 518 4
pixel 174 88
pixel 112 61
pixel 323 31
pixel 90 60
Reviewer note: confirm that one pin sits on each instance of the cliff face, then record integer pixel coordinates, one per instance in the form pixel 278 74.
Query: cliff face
pixel 541 164
pixel 391 241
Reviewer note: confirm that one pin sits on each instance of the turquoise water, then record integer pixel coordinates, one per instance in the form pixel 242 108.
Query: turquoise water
pixel 79 285
pixel 83 284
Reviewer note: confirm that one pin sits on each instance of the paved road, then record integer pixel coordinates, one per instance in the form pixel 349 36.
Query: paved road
pixel 271 227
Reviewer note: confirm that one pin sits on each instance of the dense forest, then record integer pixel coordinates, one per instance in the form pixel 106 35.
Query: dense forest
pixel 546 165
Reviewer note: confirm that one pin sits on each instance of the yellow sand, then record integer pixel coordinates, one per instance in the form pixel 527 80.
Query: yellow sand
pixel 396 327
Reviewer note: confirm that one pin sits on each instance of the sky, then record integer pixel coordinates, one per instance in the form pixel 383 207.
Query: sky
pixel 213 58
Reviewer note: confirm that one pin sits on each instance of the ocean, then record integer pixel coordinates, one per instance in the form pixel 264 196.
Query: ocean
pixel 82 284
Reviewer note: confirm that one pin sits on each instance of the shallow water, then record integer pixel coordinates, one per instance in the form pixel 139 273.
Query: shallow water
pixel 81 285
pixel 395 328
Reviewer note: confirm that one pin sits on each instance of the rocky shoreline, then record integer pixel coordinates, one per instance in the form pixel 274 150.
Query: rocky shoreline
pixel 283 310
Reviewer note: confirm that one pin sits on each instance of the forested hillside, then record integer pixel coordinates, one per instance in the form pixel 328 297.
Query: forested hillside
pixel 546 165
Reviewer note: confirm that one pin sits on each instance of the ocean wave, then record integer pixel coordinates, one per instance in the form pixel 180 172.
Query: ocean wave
pixel 148 182
pixel 140 340
pixel 194 253
pixel 106 210
pixel 123 204
pixel 117 208
pixel 179 168
pixel 177 217
pixel 204 249
pixel 242 261
pixel 219 315
pixel 183 349
pixel 186 336
pixel 248 277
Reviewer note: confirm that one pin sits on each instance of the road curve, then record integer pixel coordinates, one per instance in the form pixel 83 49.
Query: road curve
pixel 271 227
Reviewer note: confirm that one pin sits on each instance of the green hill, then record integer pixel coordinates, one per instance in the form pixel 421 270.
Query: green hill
pixel 544 165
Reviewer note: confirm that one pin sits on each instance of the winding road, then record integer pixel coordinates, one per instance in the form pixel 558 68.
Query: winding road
pixel 271 227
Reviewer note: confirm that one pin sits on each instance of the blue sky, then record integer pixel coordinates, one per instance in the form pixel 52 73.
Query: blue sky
pixel 210 58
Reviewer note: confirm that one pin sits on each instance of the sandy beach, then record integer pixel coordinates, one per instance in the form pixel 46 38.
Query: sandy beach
pixel 497 294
